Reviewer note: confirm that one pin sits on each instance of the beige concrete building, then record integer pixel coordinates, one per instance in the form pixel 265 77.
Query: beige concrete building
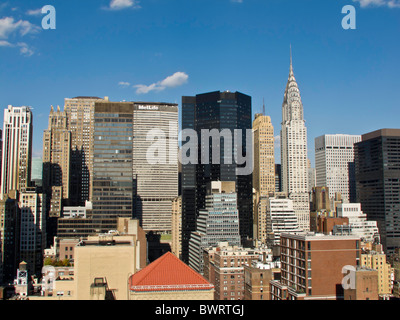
pixel 103 265
pixel 176 224
pixel 264 155
pixel 366 285
pixel 56 160
pixel 376 259
pixel 80 120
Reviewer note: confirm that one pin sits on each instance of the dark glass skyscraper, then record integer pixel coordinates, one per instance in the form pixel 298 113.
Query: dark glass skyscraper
pixel 208 111
pixel 112 162
pixel 377 165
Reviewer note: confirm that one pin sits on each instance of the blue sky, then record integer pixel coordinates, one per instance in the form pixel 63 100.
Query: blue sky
pixel 170 48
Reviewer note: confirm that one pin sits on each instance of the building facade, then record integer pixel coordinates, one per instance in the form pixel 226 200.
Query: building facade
pixel 112 183
pixel 367 230
pixel 311 266
pixel 56 161
pixel 218 222
pixel 264 155
pixel 155 167
pixel 334 164
pixel 218 111
pixel 80 122
pixel 377 165
pixel 17 149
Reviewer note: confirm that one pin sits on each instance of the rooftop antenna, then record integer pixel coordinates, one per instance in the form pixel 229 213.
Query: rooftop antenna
pixel 263 108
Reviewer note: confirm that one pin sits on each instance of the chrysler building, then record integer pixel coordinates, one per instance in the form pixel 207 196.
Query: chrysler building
pixel 294 151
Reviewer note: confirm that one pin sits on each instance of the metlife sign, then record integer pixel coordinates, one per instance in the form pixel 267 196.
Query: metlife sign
pixel 153 108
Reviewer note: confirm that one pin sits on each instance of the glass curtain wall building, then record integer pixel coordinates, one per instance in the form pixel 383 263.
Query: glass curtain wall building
pixel 112 163
pixel 208 111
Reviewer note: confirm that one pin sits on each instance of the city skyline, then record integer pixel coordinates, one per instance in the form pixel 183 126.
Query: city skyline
pixel 165 51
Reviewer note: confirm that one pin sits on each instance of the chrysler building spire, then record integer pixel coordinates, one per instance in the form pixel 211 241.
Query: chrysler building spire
pixel 294 150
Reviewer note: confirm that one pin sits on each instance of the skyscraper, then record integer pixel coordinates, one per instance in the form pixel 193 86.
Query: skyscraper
pixel 334 164
pixel 17 149
pixel 56 161
pixel 227 111
pixel 112 183
pixel 80 114
pixel 294 151
pixel 377 166
pixel 155 183
pixel 264 155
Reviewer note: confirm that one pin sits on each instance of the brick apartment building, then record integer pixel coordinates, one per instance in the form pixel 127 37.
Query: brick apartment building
pixel 311 266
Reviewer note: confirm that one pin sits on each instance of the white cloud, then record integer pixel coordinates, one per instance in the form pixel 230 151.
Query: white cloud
pixel 237 1
pixel 379 3
pixel 123 4
pixel 4 43
pixel 35 12
pixel 173 81
pixel 124 84
pixel 8 26
pixel 24 49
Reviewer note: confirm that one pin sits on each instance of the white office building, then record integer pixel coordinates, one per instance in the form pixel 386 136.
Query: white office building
pixel 334 164
pixel 155 164
pixel 281 218
pixel 358 223
pixel 218 222
pixel 17 149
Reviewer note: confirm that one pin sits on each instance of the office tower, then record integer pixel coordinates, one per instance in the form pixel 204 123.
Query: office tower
pixel 294 151
pixel 377 165
pixel 218 222
pixel 80 115
pixel 176 226
pixel 17 149
pixel 155 166
pixel 334 164
pixel 33 230
pixel 280 218
pixel 312 264
pixel 112 183
pixel 278 178
pixel 9 237
pixel 220 111
pixel 366 230
pixel 264 155
pixel 56 161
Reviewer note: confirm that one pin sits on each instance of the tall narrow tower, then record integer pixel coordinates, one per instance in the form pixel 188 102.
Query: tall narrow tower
pixel 17 149
pixel 294 151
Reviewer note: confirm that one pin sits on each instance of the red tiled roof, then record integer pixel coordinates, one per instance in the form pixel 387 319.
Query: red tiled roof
pixel 168 273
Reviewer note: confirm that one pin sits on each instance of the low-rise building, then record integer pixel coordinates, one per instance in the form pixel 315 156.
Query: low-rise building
pixel 168 278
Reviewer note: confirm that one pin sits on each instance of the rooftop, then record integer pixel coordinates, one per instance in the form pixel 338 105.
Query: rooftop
pixel 168 273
